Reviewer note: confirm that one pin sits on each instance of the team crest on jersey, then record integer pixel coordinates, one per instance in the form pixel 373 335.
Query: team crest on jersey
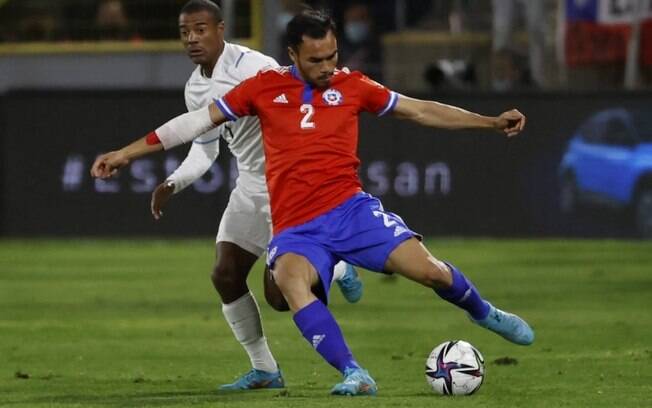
pixel 332 97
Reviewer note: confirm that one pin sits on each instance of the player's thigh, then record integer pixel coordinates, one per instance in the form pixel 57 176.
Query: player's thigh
pixel 296 277
pixel 245 222
pixel 292 270
pixel 413 260
pixel 301 261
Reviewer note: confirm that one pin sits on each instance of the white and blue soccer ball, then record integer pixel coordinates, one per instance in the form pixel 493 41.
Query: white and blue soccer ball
pixel 455 367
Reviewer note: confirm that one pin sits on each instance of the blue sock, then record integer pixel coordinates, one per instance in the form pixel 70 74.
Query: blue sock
pixel 318 326
pixel 463 294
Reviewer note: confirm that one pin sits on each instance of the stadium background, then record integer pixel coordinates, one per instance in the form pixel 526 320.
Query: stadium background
pixel 90 95
pixel 102 306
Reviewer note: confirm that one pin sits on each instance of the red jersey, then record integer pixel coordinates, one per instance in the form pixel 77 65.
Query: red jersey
pixel 310 137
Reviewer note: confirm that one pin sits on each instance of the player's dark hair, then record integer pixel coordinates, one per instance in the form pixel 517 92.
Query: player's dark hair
pixel 196 6
pixel 311 23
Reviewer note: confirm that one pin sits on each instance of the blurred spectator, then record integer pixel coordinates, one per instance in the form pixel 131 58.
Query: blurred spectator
pixel 112 23
pixel 451 74
pixel 509 70
pixel 359 45
pixel 39 22
pixel 440 15
pixel 505 68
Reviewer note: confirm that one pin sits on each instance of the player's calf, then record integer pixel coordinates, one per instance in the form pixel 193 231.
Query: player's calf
pixel 230 283
pixel 463 294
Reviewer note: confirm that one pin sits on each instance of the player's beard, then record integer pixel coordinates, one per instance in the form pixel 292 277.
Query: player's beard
pixel 323 81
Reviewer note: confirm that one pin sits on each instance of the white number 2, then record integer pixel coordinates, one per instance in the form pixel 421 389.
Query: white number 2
pixel 309 112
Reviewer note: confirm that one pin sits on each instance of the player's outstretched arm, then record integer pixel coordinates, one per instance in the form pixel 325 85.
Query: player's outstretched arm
pixel 179 130
pixel 439 115
pixel 106 165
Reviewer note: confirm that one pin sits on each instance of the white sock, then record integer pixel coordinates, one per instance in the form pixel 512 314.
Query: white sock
pixel 243 316
pixel 338 270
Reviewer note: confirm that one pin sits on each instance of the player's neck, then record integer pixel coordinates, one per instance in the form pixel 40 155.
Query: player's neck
pixel 207 69
pixel 294 70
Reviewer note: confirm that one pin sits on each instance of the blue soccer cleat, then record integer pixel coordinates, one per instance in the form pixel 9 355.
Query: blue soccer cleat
pixel 256 379
pixel 357 381
pixel 350 284
pixel 508 325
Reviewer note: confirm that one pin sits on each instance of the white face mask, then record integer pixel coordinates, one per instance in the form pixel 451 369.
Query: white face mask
pixel 356 32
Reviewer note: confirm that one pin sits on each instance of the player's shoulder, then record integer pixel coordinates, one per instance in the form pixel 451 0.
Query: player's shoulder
pixel 277 71
pixel 347 75
pixel 269 75
pixel 245 62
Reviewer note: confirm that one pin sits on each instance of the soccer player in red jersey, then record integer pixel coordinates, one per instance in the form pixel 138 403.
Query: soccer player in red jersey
pixel 320 215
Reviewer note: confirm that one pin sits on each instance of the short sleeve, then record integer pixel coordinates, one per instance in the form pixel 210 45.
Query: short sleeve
pixel 375 97
pixel 253 62
pixel 239 101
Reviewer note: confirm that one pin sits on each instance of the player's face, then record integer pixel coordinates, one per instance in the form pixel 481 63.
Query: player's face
pixel 202 37
pixel 316 59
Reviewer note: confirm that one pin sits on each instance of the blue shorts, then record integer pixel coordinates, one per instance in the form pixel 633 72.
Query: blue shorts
pixel 358 231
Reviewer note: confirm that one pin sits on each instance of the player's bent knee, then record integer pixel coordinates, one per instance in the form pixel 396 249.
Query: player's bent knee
pixel 226 277
pixel 291 270
pixel 286 279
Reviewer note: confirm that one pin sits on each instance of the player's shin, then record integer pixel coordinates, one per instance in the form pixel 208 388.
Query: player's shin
pixel 319 327
pixel 243 316
pixel 463 294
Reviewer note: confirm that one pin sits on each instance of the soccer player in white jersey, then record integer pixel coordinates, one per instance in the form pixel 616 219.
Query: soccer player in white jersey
pixel 245 226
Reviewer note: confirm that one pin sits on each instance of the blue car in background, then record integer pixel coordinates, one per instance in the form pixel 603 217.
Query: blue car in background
pixel 608 163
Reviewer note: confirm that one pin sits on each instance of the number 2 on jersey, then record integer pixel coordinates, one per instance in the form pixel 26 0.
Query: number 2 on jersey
pixel 308 111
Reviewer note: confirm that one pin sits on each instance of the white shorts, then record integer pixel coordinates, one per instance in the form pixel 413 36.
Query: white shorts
pixel 247 220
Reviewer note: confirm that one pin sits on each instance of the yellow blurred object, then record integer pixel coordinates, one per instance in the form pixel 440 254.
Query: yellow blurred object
pixel 99 47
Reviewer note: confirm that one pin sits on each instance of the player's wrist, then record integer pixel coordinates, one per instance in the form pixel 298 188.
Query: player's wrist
pixel 494 122
pixel 152 138
pixel 170 185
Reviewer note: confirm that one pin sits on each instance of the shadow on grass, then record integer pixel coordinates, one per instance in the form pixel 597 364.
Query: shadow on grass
pixel 155 399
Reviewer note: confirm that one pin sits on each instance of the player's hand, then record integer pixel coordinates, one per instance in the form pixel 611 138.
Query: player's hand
pixel 160 197
pixel 511 123
pixel 106 165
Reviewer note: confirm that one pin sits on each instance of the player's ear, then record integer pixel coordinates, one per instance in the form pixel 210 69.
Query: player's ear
pixel 293 55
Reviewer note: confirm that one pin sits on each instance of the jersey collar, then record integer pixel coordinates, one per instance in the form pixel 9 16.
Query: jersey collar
pixel 306 95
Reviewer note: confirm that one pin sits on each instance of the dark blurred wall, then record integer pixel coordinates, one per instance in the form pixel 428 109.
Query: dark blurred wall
pixel 440 182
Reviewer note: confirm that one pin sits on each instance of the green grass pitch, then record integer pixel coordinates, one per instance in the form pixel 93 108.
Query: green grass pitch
pixel 137 324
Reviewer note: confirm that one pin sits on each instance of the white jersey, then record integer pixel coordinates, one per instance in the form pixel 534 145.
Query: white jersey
pixel 235 64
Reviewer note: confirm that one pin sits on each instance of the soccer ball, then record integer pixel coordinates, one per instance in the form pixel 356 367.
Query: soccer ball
pixel 455 368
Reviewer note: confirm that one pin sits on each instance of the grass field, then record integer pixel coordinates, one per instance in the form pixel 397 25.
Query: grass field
pixel 137 324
